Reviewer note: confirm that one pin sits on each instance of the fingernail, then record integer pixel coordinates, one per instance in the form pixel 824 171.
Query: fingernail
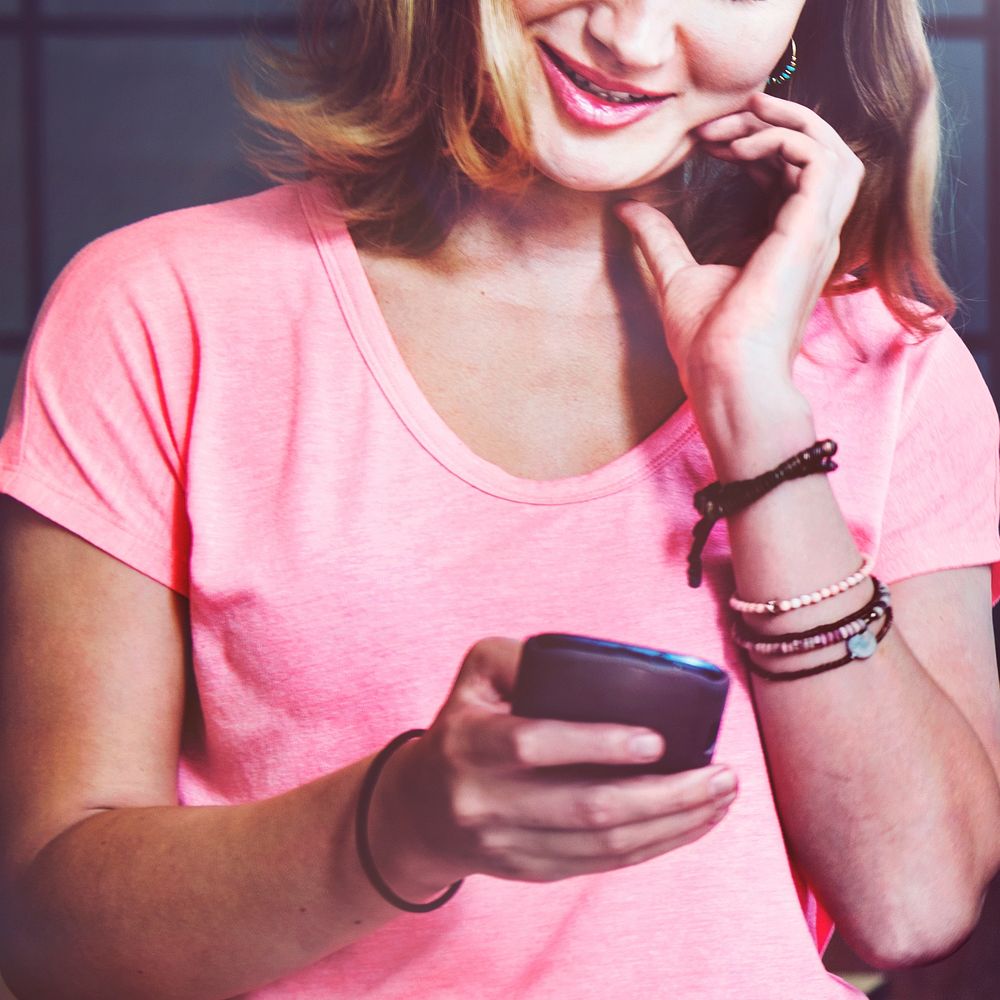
pixel 646 747
pixel 723 783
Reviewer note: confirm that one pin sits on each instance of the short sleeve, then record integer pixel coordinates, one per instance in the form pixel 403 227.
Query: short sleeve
pixel 96 434
pixel 943 503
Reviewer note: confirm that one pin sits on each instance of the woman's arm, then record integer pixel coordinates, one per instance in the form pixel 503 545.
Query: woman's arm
pixel 885 771
pixel 111 889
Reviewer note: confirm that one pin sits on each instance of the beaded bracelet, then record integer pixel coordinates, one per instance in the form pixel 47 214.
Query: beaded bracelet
pixel 777 606
pixel 880 595
pixel 716 500
pixel 365 794
pixel 860 647
pixel 819 637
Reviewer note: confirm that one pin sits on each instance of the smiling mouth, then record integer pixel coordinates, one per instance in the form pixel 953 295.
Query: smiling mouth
pixel 589 87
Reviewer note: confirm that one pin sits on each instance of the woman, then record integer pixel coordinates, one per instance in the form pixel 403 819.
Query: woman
pixel 277 464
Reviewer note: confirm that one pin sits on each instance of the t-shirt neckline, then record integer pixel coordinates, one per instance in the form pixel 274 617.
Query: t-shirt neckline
pixel 377 346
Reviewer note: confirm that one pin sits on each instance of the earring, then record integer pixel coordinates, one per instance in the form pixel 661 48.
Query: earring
pixel 786 74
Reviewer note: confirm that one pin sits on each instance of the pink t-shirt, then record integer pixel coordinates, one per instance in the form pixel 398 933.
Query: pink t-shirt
pixel 213 397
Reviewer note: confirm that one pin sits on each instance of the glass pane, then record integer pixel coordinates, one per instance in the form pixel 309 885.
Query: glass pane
pixel 13 276
pixel 945 8
pixel 10 362
pixel 963 6
pixel 963 232
pixel 166 8
pixel 136 126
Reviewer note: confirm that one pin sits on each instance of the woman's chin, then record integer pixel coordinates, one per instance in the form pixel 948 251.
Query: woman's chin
pixel 593 180
pixel 596 173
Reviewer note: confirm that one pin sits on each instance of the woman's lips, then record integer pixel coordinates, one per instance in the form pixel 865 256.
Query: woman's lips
pixel 595 76
pixel 590 109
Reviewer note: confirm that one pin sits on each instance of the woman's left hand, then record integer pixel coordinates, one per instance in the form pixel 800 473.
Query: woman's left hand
pixel 746 324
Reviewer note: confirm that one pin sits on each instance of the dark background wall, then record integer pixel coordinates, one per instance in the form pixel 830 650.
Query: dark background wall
pixel 112 110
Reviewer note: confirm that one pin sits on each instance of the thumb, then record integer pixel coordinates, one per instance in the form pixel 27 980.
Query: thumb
pixel 488 672
pixel 662 247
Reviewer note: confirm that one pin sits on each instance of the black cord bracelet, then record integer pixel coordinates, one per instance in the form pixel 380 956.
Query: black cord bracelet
pixel 718 500
pixel 365 794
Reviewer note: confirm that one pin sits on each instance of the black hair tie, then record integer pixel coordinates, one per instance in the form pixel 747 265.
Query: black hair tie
pixel 365 794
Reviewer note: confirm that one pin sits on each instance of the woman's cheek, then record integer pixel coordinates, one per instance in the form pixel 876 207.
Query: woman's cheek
pixel 536 10
pixel 734 64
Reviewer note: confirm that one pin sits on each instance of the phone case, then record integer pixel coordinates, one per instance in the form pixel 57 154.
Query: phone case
pixel 581 679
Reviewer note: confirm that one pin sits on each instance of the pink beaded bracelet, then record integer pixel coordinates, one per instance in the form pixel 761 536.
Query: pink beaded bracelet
pixel 777 606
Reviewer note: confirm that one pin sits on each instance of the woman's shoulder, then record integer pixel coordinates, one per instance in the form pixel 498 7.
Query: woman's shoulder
pixel 859 332
pixel 238 233
pixel 862 365
pixel 215 266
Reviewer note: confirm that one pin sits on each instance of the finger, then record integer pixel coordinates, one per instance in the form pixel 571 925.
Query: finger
pixel 608 846
pixel 788 114
pixel 603 805
pixel 488 672
pixel 730 127
pixel 546 868
pixel 828 184
pixel 507 742
pixel 662 247
pixel 791 146
pixel 765 110
pixel 836 172
pixel 785 152
pixel 765 173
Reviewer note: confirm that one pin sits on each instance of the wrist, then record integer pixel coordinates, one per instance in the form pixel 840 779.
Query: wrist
pixel 403 852
pixel 750 429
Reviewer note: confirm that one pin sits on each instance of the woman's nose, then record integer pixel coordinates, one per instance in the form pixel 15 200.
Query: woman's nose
pixel 640 34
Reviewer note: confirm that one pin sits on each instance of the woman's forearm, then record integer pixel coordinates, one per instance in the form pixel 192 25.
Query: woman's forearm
pixel 888 800
pixel 190 902
pixel 887 796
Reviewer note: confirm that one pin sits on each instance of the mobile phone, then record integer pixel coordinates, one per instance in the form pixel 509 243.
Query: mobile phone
pixel 577 678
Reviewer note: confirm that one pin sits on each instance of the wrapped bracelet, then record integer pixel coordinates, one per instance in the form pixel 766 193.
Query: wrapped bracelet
pixel 777 606
pixel 716 500
pixel 820 636
pixel 831 638
pixel 860 647
pixel 365 794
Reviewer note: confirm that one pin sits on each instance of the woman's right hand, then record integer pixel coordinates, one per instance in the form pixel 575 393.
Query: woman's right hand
pixel 479 792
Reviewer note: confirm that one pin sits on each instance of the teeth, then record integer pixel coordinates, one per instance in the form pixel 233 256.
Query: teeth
pixel 614 96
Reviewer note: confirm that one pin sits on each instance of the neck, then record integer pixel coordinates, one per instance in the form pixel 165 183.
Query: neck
pixel 546 227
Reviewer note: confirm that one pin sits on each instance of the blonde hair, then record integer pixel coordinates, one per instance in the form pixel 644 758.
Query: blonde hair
pixel 407 106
